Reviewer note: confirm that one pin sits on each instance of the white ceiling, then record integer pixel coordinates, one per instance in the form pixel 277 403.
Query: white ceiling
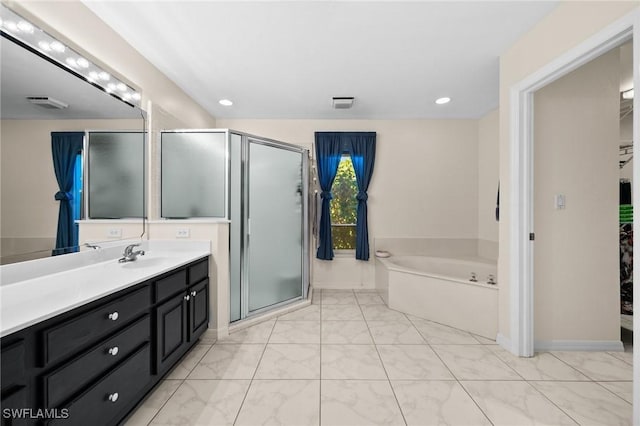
pixel 278 59
pixel 23 74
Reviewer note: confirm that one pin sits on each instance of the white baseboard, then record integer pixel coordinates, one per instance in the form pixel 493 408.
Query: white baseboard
pixel 504 342
pixel 579 345
pixel 344 286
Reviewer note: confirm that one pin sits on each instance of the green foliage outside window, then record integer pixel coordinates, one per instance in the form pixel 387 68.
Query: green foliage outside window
pixel 344 206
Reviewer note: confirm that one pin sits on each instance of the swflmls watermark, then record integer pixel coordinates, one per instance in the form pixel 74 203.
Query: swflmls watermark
pixel 35 414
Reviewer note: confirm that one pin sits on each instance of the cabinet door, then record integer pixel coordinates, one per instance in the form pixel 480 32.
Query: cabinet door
pixel 198 309
pixel 171 324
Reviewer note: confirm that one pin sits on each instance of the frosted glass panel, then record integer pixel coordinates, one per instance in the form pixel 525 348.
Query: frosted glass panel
pixel 193 174
pixel 236 236
pixel 116 174
pixel 275 225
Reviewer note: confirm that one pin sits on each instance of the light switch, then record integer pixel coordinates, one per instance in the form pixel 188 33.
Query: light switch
pixel 559 201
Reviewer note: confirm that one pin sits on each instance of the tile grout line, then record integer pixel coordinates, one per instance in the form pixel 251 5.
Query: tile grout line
pixel 177 387
pixel 254 373
pixel 165 403
pixel 375 345
pixel 458 381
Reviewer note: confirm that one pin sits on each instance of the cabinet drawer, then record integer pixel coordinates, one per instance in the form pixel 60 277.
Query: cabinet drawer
pixel 72 335
pixel 65 381
pixel 13 365
pixel 199 271
pixel 101 403
pixel 171 285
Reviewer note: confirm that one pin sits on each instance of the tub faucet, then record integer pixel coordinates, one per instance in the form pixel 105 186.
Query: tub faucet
pixel 129 255
pixel 491 279
pixel 92 246
pixel 474 278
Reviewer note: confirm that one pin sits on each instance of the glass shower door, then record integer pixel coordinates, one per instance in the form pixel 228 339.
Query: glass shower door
pixel 274 225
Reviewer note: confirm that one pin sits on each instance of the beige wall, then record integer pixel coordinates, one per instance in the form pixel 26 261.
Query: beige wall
pixel 424 181
pixel 28 182
pixel 566 26
pixel 577 291
pixel 488 171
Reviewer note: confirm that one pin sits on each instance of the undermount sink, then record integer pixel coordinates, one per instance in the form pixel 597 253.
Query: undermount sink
pixel 144 262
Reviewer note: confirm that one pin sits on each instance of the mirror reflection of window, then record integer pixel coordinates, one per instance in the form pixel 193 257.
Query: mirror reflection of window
pixel 116 175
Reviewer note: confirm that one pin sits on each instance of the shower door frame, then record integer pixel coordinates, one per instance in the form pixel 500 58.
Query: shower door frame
pixel 245 244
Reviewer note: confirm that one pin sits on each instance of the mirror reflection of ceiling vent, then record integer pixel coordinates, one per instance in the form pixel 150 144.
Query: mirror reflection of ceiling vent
pixel 344 102
pixel 47 102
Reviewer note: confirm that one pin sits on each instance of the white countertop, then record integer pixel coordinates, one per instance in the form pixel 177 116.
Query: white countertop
pixel 30 301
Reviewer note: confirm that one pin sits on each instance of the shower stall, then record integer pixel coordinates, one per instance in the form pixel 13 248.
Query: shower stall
pixel 261 186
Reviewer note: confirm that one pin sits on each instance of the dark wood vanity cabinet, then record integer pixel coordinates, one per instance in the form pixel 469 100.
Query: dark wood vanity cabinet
pixel 184 314
pixel 94 364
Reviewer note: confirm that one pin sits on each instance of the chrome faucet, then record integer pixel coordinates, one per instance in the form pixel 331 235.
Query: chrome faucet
pixel 129 255
pixel 474 278
pixel 92 246
pixel 491 279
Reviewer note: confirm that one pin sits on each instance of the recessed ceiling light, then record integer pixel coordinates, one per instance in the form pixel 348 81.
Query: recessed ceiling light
pixel 441 101
pixel 225 102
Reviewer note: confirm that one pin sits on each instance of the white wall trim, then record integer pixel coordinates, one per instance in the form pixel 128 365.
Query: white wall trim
pixel 503 341
pixel 521 178
pixel 521 170
pixel 579 345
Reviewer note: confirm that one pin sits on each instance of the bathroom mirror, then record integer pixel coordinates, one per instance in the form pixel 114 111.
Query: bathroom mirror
pixel 29 210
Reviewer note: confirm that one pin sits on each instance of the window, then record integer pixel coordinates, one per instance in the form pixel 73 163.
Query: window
pixel 76 191
pixel 344 206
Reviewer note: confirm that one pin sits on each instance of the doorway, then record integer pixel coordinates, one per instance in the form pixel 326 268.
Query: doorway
pixel 520 228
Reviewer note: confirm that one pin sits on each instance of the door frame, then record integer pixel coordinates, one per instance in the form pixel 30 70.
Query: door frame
pixel 521 191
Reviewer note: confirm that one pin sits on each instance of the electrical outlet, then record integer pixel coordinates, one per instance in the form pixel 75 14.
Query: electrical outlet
pixel 114 233
pixel 183 233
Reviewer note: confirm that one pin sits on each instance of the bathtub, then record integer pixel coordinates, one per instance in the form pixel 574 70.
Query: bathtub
pixel 439 289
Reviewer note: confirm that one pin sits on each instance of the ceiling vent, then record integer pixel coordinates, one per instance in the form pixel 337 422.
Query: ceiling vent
pixel 47 102
pixel 342 102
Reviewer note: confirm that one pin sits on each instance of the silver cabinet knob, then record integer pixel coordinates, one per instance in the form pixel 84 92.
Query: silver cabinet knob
pixel 113 397
pixel 113 351
pixel 193 293
pixel 186 297
pixel 113 316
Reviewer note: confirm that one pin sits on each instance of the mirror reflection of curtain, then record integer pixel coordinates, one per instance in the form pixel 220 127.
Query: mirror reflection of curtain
pixel 65 147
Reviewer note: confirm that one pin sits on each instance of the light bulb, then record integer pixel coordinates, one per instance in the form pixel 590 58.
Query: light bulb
pixel 126 96
pixel 11 26
pixel 82 63
pixel 111 86
pixel 121 87
pixel 44 46
pixel 71 62
pixel 135 96
pixel 104 76
pixel 26 27
pixel 57 46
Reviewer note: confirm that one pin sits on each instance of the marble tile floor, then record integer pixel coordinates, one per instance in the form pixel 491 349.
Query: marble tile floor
pixel 349 360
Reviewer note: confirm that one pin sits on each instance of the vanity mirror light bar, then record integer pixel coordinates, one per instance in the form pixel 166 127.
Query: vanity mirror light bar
pixel 17 28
